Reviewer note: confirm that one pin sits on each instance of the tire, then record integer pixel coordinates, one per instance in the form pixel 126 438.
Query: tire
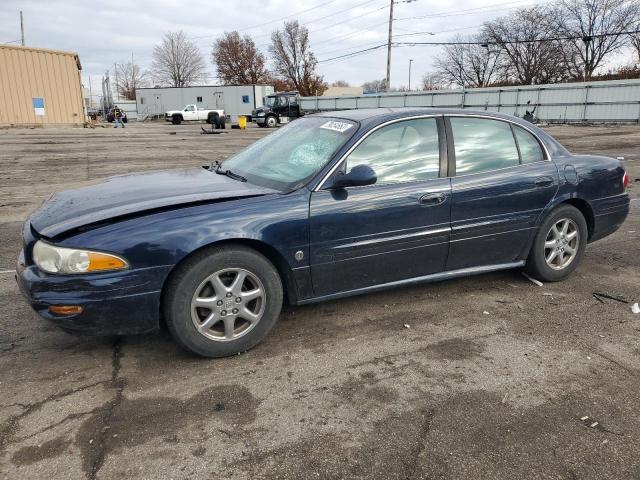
pixel 271 122
pixel 191 281
pixel 222 123
pixel 176 120
pixel 212 119
pixel 564 247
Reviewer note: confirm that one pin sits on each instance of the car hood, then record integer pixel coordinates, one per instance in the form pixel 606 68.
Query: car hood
pixel 135 193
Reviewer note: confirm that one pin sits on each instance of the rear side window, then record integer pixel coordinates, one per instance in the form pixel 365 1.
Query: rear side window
pixel 481 145
pixel 401 152
pixel 530 149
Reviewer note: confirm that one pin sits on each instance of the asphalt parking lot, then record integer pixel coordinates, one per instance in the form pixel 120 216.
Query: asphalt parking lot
pixel 489 377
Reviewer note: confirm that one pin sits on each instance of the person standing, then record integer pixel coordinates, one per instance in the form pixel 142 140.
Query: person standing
pixel 117 117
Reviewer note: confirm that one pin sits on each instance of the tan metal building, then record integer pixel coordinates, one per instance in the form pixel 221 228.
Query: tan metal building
pixel 40 87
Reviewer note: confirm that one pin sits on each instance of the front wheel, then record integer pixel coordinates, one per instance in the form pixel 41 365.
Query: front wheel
pixel 271 122
pixel 176 120
pixel 223 301
pixel 559 245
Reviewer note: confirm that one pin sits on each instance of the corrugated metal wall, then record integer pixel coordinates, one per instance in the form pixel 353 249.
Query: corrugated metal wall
pixel 30 78
pixel 612 101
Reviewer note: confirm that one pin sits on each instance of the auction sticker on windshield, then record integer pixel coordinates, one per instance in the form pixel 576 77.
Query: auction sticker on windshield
pixel 337 126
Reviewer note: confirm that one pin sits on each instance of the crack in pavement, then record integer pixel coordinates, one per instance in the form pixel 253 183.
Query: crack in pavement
pixel 420 443
pixel 95 463
pixel 631 371
pixel 9 427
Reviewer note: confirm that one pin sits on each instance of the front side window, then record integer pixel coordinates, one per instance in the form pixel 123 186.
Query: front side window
pixel 530 149
pixel 401 152
pixel 294 154
pixel 482 145
pixel 189 108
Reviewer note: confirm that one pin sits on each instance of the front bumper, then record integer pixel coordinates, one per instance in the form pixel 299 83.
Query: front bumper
pixel 119 303
pixel 259 120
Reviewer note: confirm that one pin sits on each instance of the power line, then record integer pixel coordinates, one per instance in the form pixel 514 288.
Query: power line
pixel 365 45
pixel 353 53
pixel 516 42
pixel 269 22
pixel 337 13
pixel 539 40
pixel 455 13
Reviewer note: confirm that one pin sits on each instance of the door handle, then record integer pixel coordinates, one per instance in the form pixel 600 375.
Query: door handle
pixel 430 199
pixel 543 181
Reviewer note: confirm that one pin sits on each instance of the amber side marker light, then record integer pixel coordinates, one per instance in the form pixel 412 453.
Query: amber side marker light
pixel 65 309
pixel 101 261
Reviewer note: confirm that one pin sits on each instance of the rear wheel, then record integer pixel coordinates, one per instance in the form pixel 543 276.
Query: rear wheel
pixel 222 122
pixel 223 301
pixel 559 244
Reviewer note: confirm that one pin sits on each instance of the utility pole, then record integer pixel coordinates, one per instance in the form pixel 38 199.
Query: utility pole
pixel 586 39
pixel 21 28
pixel 115 72
pixel 388 86
pixel 410 62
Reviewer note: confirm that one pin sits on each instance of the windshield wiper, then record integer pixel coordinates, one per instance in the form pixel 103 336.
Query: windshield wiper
pixel 230 174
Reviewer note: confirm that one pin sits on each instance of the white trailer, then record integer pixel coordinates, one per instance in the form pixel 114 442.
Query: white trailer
pixel 233 99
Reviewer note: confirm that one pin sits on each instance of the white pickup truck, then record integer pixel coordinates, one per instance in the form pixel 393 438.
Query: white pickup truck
pixel 191 113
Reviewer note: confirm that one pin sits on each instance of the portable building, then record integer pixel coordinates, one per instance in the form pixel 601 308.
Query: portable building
pixel 233 99
pixel 40 87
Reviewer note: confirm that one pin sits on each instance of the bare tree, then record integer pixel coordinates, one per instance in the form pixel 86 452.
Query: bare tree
pixel 129 76
pixel 431 81
pixel 293 59
pixel 635 42
pixel 528 57
pixel 587 21
pixel 340 83
pixel 468 64
pixel 237 60
pixel 375 86
pixel 177 61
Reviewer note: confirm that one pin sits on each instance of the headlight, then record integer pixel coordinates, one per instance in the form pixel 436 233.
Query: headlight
pixel 54 259
pixel 261 114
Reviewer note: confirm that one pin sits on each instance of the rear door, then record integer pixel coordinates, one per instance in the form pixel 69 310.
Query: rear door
pixel 393 230
pixel 502 179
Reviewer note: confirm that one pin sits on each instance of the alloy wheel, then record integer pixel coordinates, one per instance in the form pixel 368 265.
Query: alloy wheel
pixel 228 304
pixel 561 244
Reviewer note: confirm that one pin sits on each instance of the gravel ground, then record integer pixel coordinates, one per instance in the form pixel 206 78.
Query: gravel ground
pixel 340 389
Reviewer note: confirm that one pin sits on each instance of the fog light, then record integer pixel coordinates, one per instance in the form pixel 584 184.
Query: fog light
pixel 65 309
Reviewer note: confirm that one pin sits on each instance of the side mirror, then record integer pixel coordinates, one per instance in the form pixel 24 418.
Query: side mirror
pixel 359 176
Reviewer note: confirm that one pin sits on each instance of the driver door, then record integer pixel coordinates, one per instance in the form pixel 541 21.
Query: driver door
pixel 189 113
pixel 391 231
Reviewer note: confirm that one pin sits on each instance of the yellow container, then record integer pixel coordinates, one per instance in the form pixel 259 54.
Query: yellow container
pixel 242 122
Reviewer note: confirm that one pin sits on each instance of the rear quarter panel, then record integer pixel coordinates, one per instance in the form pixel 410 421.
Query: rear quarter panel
pixel 598 181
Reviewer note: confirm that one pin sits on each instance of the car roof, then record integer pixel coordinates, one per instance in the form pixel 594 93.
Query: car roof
pixel 385 114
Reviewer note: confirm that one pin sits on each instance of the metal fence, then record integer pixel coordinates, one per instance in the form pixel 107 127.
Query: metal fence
pixel 593 102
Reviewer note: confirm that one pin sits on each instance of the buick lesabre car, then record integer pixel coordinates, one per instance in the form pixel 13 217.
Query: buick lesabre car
pixel 332 205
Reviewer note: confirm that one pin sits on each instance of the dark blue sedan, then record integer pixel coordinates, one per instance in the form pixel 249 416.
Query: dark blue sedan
pixel 331 205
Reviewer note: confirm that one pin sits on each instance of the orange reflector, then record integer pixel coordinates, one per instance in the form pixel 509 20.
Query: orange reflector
pixel 101 261
pixel 65 309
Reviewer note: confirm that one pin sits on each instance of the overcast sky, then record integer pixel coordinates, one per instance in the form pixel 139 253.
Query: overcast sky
pixel 105 32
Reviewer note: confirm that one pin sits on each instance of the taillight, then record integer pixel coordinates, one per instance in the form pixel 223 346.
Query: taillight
pixel 625 181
